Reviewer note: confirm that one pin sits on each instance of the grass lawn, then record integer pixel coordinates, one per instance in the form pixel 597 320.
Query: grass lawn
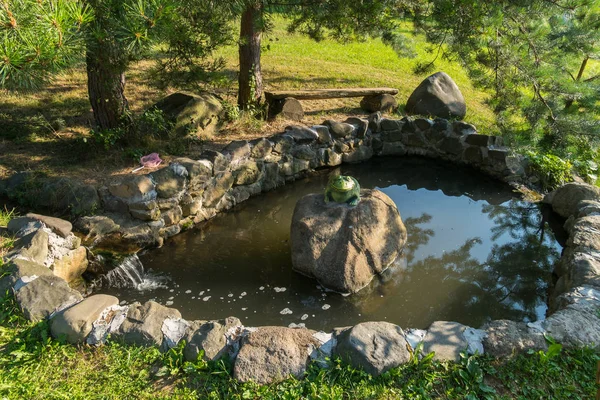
pixel 47 130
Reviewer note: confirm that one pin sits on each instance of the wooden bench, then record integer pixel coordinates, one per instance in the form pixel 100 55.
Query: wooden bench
pixel 286 103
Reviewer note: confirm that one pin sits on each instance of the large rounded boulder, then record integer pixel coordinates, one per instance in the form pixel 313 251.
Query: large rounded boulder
pixel 345 246
pixel 438 96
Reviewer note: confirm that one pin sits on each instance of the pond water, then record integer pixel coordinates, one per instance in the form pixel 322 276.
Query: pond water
pixel 475 252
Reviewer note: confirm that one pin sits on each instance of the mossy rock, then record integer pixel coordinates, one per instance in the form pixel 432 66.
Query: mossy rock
pixel 192 114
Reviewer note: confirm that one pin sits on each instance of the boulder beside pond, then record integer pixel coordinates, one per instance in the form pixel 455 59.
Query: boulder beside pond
pixel 344 246
pixel 192 114
pixel 438 96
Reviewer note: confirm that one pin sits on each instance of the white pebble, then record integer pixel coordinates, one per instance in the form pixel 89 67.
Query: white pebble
pixel 188 291
pixel 280 289
pixel 230 295
pixel 285 311
pixel 326 307
pixel 244 308
pixel 304 317
pixel 261 288
pixel 206 298
pixel 169 303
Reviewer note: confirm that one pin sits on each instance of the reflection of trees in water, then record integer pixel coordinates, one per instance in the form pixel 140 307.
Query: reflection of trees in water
pixel 510 283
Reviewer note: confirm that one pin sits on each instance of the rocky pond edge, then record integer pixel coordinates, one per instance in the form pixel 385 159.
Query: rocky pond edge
pixel 136 211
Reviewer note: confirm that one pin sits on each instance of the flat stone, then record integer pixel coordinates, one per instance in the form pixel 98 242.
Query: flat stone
pixel 45 296
pixel 132 188
pixel 303 152
pixel 374 347
pixel 71 266
pixel 75 323
pixel 143 324
pixel 463 128
pixel 246 174
pixel 361 126
pixel 328 157
pixel 210 339
pixel 506 338
pixel 273 353
pixel 301 134
pixel 446 339
pixel 59 226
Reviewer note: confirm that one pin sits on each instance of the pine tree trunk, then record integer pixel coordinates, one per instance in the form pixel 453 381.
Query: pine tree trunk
pixel 106 88
pixel 250 77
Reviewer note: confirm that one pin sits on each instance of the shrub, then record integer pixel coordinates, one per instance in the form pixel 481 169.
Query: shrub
pixel 552 170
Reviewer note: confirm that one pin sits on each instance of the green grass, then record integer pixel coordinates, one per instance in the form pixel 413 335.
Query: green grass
pixel 34 366
pixel 297 62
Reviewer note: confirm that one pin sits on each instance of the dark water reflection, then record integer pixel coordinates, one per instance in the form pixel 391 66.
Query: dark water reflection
pixel 474 253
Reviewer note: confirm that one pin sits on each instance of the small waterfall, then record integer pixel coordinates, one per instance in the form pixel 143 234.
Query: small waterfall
pixel 130 273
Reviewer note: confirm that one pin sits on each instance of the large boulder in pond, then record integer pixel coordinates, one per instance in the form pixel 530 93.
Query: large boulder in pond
pixel 344 246
pixel 192 114
pixel 437 96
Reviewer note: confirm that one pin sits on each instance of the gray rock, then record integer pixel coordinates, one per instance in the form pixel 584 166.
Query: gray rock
pixel 391 124
pixel 473 155
pixel 44 296
pixel 143 324
pixel 75 323
pixel 507 338
pixel 219 162
pixel 478 140
pixel 565 199
pixel 209 338
pixel 15 270
pixel 237 151
pixel 197 171
pixel 423 124
pixel 584 232
pixel 33 246
pixel 343 246
pixel 303 152
pixel 446 339
pixel 132 188
pixel 579 268
pixel 324 135
pixel 576 325
pixel 271 178
pixel 339 129
pixel 375 347
pixel 273 353
pixel 172 216
pixel 418 140
pixel 144 205
pixel 301 134
pixel 451 145
pixel 72 265
pixel 97 226
pixel 438 96
pixel 246 174
pixel 362 153
pixel 191 208
pixel 261 148
pixel 216 188
pixel 462 128
pixel 146 215
pixel 192 114
pixel 588 207
pixel 170 181
pixel 282 143
pixel 361 126
pixel 328 158
pixel 375 121
pixel 393 149
pixel 288 108
pixel 381 102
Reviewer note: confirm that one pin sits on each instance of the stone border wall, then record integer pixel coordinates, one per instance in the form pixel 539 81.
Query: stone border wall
pixel 142 210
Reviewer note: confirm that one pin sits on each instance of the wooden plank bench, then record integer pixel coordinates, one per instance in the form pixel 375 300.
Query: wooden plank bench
pixel 285 102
